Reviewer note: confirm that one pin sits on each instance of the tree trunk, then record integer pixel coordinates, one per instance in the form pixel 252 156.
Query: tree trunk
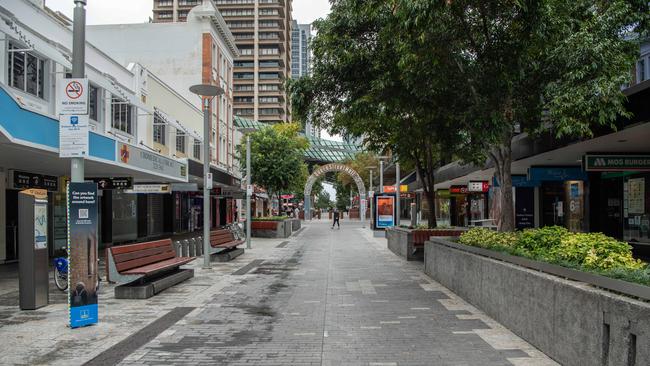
pixel 427 178
pixel 502 157
pixel 431 199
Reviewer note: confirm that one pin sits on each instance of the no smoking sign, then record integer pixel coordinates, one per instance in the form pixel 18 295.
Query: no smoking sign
pixel 73 97
pixel 74 90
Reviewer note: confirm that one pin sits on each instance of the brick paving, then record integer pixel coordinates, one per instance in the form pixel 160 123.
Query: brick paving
pixel 324 297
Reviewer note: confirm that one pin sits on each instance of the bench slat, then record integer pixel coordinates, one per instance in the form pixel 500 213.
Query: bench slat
pixel 162 265
pixel 144 261
pixel 119 258
pixel 140 246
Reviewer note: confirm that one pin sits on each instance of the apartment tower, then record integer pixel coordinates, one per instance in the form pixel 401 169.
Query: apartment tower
pixel 262 31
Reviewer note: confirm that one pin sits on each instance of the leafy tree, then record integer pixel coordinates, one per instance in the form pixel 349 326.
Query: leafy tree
pixel 359 164
pixel 533 65
pixel 323 201
pixel 342 195
pixel 277 158
pixel 360 87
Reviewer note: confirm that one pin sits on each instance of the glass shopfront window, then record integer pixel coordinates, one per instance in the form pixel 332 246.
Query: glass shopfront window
pixel 636 208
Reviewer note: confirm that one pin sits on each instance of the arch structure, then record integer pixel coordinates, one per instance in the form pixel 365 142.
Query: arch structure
pixel 335 167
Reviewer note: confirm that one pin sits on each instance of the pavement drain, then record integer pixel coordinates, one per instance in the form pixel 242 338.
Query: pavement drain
pixel 247 268
pixel 283 244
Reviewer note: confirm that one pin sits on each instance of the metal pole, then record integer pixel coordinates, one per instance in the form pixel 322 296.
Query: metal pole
pixel 371 198
pixel 248 193
pixel 77 173
pixel 398 194
pixel 206 191
pixel 381 176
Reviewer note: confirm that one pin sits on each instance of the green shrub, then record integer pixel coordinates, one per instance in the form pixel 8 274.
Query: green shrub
pixel 540 242
pixel 593 252
pixel 270 218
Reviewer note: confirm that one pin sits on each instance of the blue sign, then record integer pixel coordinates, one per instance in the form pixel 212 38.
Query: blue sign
pixel 385 209
pixel 83 284
pixel 556 174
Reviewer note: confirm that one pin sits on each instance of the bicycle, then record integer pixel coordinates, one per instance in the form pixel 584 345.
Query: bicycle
pixel 61 273
pixel 237 231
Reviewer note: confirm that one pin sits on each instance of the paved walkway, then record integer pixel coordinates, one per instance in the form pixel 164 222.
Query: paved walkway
pixel 324 297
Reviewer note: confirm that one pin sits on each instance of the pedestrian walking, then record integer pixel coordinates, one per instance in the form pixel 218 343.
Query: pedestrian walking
pixel 336 219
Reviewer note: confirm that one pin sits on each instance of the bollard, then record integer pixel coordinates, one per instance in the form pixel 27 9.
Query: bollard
pixel 192 246
pixel 186 249
pixel 198 249
pixel 177 248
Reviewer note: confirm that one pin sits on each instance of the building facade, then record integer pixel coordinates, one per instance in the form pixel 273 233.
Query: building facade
pixel 32 80
pixel 262 32
pixel 300 55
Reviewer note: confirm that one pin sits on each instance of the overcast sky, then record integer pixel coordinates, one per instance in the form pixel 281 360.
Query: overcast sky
pixel 112 11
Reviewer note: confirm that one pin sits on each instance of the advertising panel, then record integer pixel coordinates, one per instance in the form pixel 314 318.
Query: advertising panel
pixel 73 136
pixel 385 206
pixel 82 254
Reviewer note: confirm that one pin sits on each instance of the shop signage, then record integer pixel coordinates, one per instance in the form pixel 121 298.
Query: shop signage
pixel 73 136
pixel 458 190
pixel 443 193
pixel 228 192
pixel 517 181
pixel 82 254
pixel 287 196
pixel 478 186
pixel 22 180
pixel 113 183
pixel 185 187
pixel 391 189
pixel 525 208
pixel 73 96
pixel 617 163
pixel 556 174
pixel 150 188
pixel 151 162
pixel 409 195
pixel 385 207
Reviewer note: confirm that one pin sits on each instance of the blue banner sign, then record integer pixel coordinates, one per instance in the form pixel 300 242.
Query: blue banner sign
pixel 83 282
pixel 557 174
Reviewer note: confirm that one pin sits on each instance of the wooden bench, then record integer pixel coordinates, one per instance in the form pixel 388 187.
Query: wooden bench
pixel 145 269
pixel 224 244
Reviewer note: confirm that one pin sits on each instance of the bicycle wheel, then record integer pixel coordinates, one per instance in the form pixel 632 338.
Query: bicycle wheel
pixel 60 280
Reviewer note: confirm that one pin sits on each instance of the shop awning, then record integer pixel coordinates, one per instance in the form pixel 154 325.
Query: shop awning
pixel 177 125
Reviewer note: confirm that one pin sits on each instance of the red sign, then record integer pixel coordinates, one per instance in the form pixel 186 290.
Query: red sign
pixel 478 186
pixel 74 90
pixel 458 190
pixel 287 196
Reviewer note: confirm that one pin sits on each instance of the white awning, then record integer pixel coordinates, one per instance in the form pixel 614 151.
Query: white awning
pixel 113 87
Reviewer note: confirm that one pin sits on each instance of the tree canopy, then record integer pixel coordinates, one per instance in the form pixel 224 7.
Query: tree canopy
pixel 434 80
pixel 277 158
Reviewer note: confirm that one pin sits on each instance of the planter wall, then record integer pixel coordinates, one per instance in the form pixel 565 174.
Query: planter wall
pixel 271 229
pixel 295 224
pixel 572 322
pixel 405 242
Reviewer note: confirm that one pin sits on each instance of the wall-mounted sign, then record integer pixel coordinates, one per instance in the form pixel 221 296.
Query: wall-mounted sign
pixel 151 162
pixel 458 190
pixel 391 189
pixel 385 208
pixel 209 182
pixel 478 186
pixel 113 183
pixel 150 188
pixel 23 180
pixel 73 136
pixel 73 96
pixel 185 187
pixel 536 175
pixel 82 254
pixel 617 163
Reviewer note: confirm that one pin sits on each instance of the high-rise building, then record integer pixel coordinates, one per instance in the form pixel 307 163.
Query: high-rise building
pixel 300 55
pixel 262 31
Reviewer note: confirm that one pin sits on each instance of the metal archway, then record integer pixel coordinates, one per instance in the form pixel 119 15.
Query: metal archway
pixel 336 167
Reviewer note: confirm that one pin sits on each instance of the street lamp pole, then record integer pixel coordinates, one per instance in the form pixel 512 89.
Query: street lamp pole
pixel 371 198
pixel 249 192
pixel 381 176
pixel 207 93
pixel 398 194
pixel 77 173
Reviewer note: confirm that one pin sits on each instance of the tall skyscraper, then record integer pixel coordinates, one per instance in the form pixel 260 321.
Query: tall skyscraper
pixel 300 54
pixel 262 31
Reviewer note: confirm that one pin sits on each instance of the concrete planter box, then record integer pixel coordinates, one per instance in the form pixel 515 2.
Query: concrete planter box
pixel 571 321
pixel 407 242
pixel 271 229
pixel 295 224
